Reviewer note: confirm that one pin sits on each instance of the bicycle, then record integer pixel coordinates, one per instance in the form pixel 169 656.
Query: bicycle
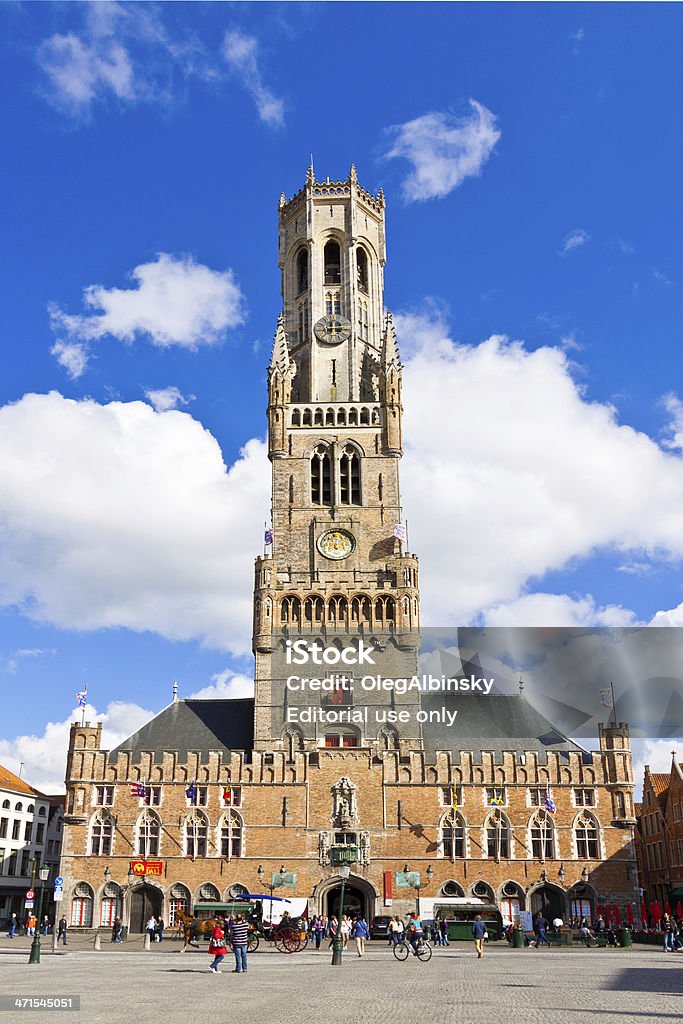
pixel 423 950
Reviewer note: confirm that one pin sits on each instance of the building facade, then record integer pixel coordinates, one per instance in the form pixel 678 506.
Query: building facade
pixel 216 797
pixel 30 835
pixel 659 836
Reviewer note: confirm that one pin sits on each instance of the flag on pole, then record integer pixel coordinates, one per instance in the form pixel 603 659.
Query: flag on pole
pixel 138 789
pixel 268 537
pixel 548 801
pixel 497 799
pixel 82 698
pixel 606 698
pixel 191 792
pixel 400 532
pixel 227 795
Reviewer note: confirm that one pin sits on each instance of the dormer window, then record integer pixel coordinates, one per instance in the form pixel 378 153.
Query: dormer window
pixel 332 263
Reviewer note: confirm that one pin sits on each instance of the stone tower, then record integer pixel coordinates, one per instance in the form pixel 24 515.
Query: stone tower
pixel 337 572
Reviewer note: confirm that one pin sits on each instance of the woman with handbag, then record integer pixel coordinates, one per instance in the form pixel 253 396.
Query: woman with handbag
pixel 217 947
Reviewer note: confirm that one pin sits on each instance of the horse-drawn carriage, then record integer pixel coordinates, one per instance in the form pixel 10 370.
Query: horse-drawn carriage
pixel 288 935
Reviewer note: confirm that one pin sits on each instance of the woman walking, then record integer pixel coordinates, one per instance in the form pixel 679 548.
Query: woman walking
pixel 217 947
pixel 360 932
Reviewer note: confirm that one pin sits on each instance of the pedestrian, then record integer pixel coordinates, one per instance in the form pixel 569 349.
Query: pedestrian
pixel 239 934
pixel 436 932
pixel 61 930
pixel 45 926
pixel 599 925
pixel 479 933
pixel 31 923
pixel 116 930
pixel 217 947
pixel 317 928
pixel 345 930
pixel 444 931
pixel 160 930
pixel 333 925
pixel 585 932
pixel 360 932
pixel 151 927
pixel 11 931
pixel 540 928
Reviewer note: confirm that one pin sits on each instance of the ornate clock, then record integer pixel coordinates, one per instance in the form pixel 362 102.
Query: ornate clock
pixel 336 544
pixel 332 329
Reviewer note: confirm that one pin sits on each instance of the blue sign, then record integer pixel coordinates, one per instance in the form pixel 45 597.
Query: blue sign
pixel 59 881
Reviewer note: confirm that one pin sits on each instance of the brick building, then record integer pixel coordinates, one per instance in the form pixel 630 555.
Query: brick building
pixel 659 836
pixel 237 790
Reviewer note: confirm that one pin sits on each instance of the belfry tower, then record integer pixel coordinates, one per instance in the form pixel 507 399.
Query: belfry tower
pixel 337 567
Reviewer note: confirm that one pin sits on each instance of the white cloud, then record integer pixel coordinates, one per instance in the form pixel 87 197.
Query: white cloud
pixel 241 54
pixel 444 150
pixel 574 240
pixel 44 756
pixel 165 399
pixel 522 476
pixel 556 610
pixel 116 515
pixel 175 302
pixel 226 685
pixel 660 276
pixel 11 663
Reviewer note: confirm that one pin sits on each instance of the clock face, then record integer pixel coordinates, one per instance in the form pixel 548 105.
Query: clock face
pixel 336 544
pixel 332 329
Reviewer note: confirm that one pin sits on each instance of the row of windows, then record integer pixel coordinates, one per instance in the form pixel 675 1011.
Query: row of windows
pixel 497 837
pixel 28 830
pixel 148 835
pixel 19 807
pixel 331 267
pixel 364 416
pixel 454 796
pixel 338 608
pixel 231 796
pixel 342 484
pixel 18 862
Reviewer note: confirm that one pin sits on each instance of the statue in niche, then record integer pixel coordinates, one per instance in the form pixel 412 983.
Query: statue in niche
pixel 344 802
pixel 323 847
pixel 364 848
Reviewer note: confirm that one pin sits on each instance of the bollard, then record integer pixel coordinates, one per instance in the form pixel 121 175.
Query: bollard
pixel 54 939
pixel 97 941
pixel 147 943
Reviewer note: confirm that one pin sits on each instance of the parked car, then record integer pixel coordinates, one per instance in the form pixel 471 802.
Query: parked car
pixel 379 927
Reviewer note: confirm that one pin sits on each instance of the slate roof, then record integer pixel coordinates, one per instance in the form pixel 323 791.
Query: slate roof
pixel 198 725
pixel 495 722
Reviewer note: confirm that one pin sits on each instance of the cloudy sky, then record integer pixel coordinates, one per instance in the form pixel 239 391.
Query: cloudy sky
pixel 530 156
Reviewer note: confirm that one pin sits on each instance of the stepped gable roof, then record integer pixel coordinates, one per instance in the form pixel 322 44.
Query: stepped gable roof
pixel 198 725
pixel 495 722
pixel 660 782
pixel 12 783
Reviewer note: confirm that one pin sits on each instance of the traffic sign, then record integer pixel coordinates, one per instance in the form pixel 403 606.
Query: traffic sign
pixel 30 894
pixel 59 895
pixel 28 904
pixel 59 880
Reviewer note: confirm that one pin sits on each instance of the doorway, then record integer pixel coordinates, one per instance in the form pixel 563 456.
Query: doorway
pixel 145 901
pixel 355 902
pixel 549 901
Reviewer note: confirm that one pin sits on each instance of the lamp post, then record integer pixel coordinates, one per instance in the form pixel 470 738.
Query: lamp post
pixel 272 885
pixel 417 886
pixel 34 956
pixel 338 944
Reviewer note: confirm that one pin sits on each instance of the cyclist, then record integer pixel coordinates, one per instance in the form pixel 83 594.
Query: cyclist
pixel 414 932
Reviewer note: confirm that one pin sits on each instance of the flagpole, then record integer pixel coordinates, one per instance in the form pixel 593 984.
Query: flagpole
pixel 407 541
pixel 83 707
pixel 614 703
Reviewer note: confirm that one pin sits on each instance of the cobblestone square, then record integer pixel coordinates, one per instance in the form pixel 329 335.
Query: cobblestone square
pixel 630 986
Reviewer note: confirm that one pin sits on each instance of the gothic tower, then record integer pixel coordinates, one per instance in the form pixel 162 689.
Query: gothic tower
pixel 337 567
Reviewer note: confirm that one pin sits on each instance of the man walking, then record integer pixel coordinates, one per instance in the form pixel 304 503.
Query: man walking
pixel 479 933
pixel 360 933
pixel 12 926
pixel 61 930
pixel 239 934
pixel 540 928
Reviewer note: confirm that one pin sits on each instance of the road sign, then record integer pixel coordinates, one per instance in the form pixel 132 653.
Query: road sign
pixel 59 880
pixel 59 895
pixel 30 894
pixel 28 904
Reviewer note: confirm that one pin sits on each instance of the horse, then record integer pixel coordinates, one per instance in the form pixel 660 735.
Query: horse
pixel 193 928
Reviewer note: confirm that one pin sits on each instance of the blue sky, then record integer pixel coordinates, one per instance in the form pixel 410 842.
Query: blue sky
pixel 530 156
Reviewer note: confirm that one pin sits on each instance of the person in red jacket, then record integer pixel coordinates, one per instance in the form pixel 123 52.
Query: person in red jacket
pixel 217 947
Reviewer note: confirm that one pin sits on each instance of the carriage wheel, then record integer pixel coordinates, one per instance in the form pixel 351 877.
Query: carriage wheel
pixel 303 941
pixel 252 944
pixel 291 940
pixel 280 943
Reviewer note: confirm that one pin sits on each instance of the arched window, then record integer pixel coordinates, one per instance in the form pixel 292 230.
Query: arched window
pixel 112 904
pixel 81 906
pixel 332 257
pixel 321 475
pixel 31 809
pixel 452 888
pixel 313 609
pixel 101 834
pixel 148 834
pixel 362 269
pixel 388 739
pixel 332 303
pixel 179 902
pixel 302 330
pixel 483 891
pixel 587 837
pixel 510 903
pixel 5 805
pixel 208 893
pixel 196 835
pixel 349 476
pixel 542 832
pixel 290 610
pixel 18 807
pixel 337 608
pixel 231 835
pixel 497 835
pixel 296 418
pixel 453 836
pixel 41 812
pixel 360 609
pixel 301 271
pixel 329 418
pixel 293 741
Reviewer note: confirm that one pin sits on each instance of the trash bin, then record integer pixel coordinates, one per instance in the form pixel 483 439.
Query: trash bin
pixel 624 937
pixel 124 933
pixel 517 938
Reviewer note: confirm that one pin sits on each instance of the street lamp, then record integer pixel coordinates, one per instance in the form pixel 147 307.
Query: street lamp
pixel 272 885
pixel 338 944
pixel 107 875
pixel 34 956
pixel 417 886
pixel 584 875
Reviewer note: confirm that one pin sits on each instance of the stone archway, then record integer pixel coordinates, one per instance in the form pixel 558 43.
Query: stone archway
pixel 360 896
pixel 145 901
pixel 550 900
